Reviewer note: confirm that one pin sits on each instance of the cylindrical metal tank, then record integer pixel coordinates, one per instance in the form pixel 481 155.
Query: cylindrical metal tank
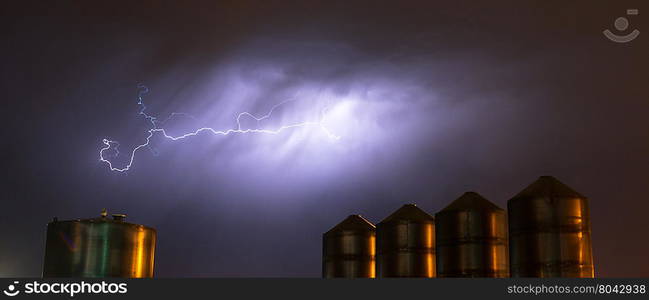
pixel 471 239
pixel 99 247
pixel 549 231
pixel 348 249
pixel 406 244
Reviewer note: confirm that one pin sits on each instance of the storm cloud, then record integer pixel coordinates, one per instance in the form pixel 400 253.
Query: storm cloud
pixel 429 99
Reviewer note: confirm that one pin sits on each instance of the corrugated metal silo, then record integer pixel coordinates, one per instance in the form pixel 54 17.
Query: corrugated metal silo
pixel 406 244
pixel 348 249
pixel 99 247
pixel 549 231
pixel 471 236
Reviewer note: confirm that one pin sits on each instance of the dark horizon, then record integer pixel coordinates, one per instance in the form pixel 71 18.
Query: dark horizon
pixel 431 99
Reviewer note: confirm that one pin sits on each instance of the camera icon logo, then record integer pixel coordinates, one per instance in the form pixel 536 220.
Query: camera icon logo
pixel 621 24
pixel 12 291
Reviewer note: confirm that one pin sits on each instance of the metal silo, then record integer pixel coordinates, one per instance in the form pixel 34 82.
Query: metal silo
pixel 471 239
pixel 348 249
pixel 549 231
pixel 99 247
pixel 406 244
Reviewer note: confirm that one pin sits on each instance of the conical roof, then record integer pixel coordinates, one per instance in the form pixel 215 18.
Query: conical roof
pixel 470 201
pixel 409 212
pixel 353 223
pixel 548 186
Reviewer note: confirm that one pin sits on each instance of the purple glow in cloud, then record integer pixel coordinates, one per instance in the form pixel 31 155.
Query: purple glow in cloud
pixel 156 129
pixel 323 118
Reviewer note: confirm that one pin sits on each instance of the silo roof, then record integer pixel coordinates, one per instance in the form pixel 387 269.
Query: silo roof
pixel 409 212
pixel 471 201
pixel 548 186
pixel 353 223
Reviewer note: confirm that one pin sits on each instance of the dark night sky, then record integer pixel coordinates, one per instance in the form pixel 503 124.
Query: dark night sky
pixel 431 99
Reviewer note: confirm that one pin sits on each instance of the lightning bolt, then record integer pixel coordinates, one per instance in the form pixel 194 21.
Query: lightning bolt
pixel 157 129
